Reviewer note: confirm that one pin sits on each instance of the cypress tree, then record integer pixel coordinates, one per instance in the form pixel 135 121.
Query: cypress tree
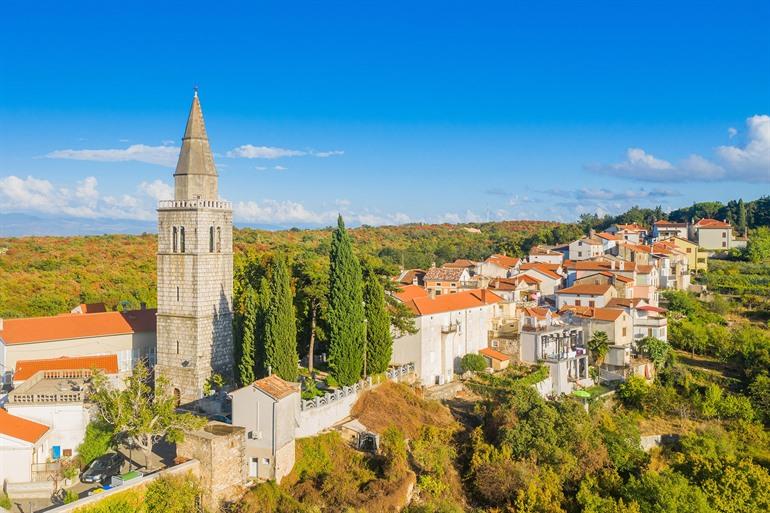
pixel 741 217
pixel 262 301
pixel 346 309
pixel 280 324
pixel 379 343
pixel 248 325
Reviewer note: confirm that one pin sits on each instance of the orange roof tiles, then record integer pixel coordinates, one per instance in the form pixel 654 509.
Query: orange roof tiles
pixel 543 268
pixel 409 292
pixel 607 236
pixel 586 289
pixel 539 312
pixel 494 354
pixel 25 369
pixel 460 263
pixel 600 265
pixel 64 327
pixel 600 314
pixel 21 429
pixel 452 302
pixel 87 308
pixel 670 223
pixel 631 227
pixel 503 261
pixel 712 223
pixel 276 387
pixel 624 302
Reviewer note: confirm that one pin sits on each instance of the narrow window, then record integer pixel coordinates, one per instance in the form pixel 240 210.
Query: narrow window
pixel 181 239
pixel 177 293
pixel 177 347
pixel 173 238
pixel 211 239
pixel 577 302
pixel 219 239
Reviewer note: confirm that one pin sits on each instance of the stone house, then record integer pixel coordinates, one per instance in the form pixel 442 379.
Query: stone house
pixel 586 248
pixel 446 280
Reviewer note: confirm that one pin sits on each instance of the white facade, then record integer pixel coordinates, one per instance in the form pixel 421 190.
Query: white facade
pixel 442 340
pixel 67 422
pixel 585 249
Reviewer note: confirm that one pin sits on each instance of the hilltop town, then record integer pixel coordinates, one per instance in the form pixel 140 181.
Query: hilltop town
pixel 568 368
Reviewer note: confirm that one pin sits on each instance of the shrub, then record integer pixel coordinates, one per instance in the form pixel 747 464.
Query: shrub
pixel 98 441
pixel 5 501
pixel 70 496
pixel 473 362
pixel 633 391
pixel 178 494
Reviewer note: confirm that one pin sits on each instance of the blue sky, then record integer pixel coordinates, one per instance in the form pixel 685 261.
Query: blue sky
pixel 386 111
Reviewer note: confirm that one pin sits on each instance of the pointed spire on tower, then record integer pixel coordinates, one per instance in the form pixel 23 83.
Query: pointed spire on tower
pixel 196 174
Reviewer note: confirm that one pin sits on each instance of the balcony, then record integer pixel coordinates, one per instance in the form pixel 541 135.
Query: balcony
pixel 449 328
pixel 194 203
pixel 51 387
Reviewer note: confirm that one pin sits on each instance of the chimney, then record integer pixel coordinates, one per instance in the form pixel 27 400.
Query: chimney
pixel 143 306
pixel 612 265
pixel 591 233
pixel 484 296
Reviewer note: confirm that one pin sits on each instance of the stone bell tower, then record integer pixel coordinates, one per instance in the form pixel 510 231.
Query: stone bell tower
pixel 195 271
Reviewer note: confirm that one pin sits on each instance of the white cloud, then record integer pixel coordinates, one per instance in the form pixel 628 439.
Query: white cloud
pixel 280 168
pixel 732 132
pixel 613 194
pixel 750 163
pixel 85 200
pixel 157 190
pixel 280 213
pixel 160 155
pixel 260 168
pixel 249 151
pixel 324 154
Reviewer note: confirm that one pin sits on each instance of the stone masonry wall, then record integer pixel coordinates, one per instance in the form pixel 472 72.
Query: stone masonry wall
pixel 194 298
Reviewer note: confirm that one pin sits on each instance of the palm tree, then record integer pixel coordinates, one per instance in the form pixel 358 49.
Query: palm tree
pixel 598 346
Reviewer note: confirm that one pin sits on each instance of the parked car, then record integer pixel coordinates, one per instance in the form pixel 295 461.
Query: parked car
pixel 222 418
pixel 102 468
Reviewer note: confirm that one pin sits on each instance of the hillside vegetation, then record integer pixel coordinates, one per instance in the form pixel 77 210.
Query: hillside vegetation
pixel 51 275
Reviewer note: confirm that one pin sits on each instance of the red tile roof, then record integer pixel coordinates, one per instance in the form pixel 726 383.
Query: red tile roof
pixel 494 354
pixel 503 261
pixel 25 369
pixel 31 330
pixel 586 289
pixel 539 312
pixel 631 227
pixel 712 223
pixel 671 224
pixel 624 302
pixel 21 429
pixel 599 314
pixel 409 292
pixel 543 268
pixel 460 263
pixel 607 236
pixel 600 265
pixel 87 308
pixel 452 302
pixel 276 387
pixel 650 308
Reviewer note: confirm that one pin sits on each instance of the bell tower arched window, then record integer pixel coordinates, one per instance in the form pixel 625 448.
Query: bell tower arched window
pixel 181 239
pixel 219 239
pixel 174 239
pixel 211 239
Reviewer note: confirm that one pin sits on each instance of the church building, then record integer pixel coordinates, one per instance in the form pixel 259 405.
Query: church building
pixel 195 271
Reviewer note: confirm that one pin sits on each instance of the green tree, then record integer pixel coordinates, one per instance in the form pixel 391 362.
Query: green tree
pixel 248 331
pixel 312 275
pixel 665 492
pixel 140 415
pixel 759 391
pixel 346 309
pixel 655 349
pixel 742 223
pixel 598 345
pixel 379 342
pixel 758 249
pixel 633 391
pixel 280 324
pixel 97 441
pixel 473 362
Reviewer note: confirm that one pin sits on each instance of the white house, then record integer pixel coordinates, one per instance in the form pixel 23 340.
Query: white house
pixel 629 232
pixel 549 275
pixel 131 335
pixel 269 411
pixel 23 444
pixel 544 255
pixel 498 266
pixel 448 327
pixel 586 248
pixel 666 229
pixel 545 337
pixel 715 235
